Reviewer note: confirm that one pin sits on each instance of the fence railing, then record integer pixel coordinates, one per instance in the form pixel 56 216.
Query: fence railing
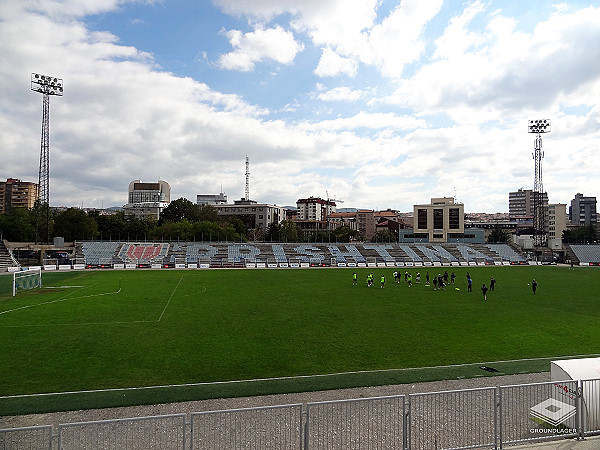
pixel 269 427
pixel 460 419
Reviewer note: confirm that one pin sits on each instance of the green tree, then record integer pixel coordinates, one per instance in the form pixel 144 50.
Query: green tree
pixel 383 236
pixel 238 225
pixel 44 222
pixel 587 234
pixel 74 224
pixel 207 212
pixel 344 233
pixel 273 233
pixel 498 235
pixel 139 228
pixel 207 231
pixel 289 232
pixel 111 226
pixel 18 225
pixel 181 209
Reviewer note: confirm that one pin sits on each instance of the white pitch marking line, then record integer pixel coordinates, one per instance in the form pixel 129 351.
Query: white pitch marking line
pixel 172 294
pixel 59 300
pixel 62 287
pixel 297 377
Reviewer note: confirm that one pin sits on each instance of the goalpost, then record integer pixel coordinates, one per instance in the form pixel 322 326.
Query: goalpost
pixel 27 279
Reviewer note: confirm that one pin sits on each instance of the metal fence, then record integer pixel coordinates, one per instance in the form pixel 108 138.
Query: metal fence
pixel 270 427
pixel 461 419
pixel 539 411
pixel 27 438
pixel 453 419
pixel 371 423
pixel 156 432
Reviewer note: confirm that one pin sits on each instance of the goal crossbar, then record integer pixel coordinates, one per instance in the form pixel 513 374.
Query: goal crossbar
pixel 26 279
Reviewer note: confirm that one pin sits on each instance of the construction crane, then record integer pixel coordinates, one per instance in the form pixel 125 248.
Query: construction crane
pixel 329 201
pixel 333 199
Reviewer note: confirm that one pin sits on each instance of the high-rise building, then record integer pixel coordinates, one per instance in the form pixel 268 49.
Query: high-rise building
pixel 442 220
pixel 365 219
pixel 582 211
pixel 147 199
pixel 557 220
pixel 256 216
pixel 15 193
pixel 314 208
pixel 520 203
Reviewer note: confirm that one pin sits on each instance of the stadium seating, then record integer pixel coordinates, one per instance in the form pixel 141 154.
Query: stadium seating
pixel 143 253
pixel 437 253
pixel 240 254
pixel 469 253
pixel 586 253
pixel 97 253
pixel 506 252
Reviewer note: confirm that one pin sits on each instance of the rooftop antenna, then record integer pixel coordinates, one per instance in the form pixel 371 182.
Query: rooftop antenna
pixel 247 178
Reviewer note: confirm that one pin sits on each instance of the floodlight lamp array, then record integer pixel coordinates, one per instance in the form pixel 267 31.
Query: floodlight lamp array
pixel 46 84
pixel 539 126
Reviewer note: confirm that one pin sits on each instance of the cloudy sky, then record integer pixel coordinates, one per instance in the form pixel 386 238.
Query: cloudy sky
pixel 380 103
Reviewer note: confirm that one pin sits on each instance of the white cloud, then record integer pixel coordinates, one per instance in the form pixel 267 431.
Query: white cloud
pixel 259 45
pixel 399 40
pixel 507 71
pixel 331 64
pixel 373 121
pixel 456 120
pixel 342 93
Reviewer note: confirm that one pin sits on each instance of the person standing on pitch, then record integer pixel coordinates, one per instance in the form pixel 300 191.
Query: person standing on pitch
pixel 469 283
pixel 492 283
pixel 382 281
pixel 354 278
pixel 484 289
pixel 533 286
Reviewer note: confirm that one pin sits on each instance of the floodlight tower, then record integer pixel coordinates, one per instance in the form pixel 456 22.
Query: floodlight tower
pixel 48 86
pixel 538 127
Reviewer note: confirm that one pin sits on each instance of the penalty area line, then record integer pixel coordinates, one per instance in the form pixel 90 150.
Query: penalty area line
pixel 59 300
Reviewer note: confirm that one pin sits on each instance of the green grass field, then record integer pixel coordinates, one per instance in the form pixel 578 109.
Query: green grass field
pixel 120 329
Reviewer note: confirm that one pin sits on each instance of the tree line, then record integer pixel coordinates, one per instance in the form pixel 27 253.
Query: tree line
pixel 180 220
pixel 186 221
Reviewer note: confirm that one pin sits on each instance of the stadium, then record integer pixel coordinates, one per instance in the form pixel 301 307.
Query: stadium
pixel 131 323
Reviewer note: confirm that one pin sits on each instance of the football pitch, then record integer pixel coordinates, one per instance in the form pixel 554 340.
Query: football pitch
pixel 291 329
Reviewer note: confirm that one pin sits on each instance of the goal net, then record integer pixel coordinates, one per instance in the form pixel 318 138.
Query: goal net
pixel 27 279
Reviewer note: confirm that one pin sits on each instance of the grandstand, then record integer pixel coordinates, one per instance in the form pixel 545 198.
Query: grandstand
pixel 588 254
pixel 143 253
pixel 99 253
pixel 293 255
pixel 506 252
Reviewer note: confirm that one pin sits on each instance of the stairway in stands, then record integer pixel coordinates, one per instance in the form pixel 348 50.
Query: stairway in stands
pixel 6 260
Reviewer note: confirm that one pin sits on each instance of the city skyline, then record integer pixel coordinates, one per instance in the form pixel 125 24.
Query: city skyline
pixel 380 103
